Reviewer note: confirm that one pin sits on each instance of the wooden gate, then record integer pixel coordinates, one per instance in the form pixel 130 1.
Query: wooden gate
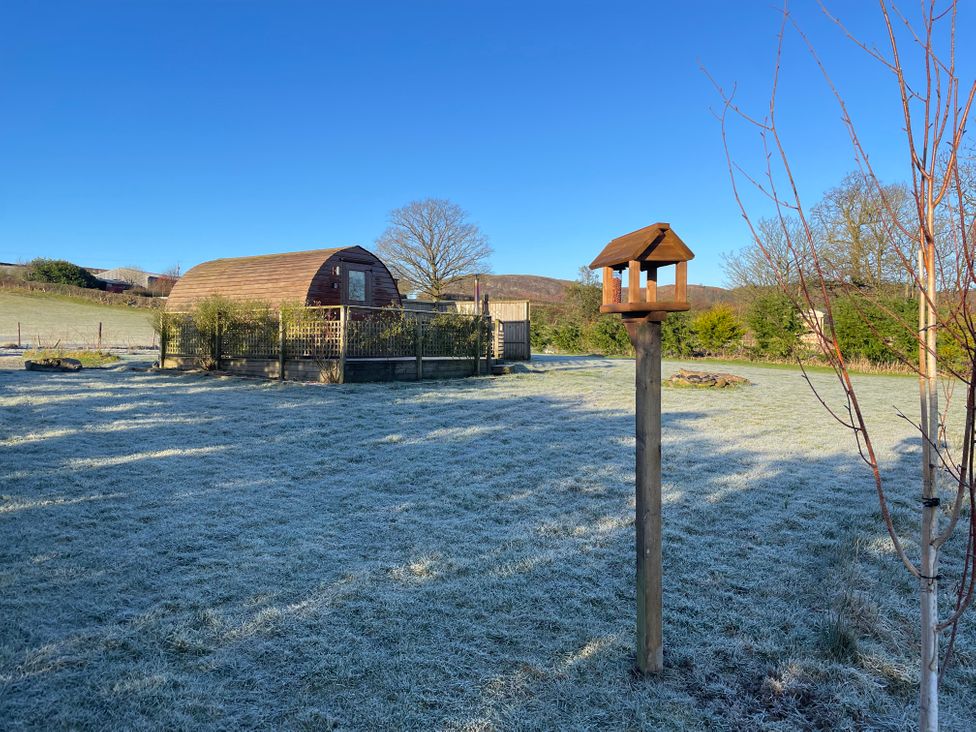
pixel 512 340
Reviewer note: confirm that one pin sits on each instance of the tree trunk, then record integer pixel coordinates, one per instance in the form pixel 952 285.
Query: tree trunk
pixel 929 585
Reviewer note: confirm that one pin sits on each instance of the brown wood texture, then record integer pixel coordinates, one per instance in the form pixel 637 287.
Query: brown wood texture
pixel 681 282
pixel 655 243
pixel 650 294
pixel 633 281
pixel 295 277
pixel 646 338
pixel 643 307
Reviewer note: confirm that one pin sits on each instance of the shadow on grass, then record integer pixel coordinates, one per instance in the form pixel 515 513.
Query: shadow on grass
pixel 453 555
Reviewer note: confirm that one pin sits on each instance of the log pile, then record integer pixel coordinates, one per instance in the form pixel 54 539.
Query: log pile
pixel 53 364
pixel 705 380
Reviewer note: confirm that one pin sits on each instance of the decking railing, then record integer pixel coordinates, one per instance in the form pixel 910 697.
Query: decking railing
pixel 335 334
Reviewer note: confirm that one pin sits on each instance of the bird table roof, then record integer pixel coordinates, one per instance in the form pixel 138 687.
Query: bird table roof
pixel 656 243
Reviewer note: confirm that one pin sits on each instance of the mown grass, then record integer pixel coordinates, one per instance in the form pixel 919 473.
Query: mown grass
pixel 46 319
pixel 89 359
pixel 186 552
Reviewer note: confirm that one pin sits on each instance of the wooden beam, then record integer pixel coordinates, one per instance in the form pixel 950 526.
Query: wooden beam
pixel 643 307
pixel 607 286
pixel 681 282
pixel 651 284
pixel 633 281
pixel 646 338
pixel 281 345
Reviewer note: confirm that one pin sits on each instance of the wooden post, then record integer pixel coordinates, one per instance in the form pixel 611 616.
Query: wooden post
pixel 651 284
pixel 645 334
pixel 633 281
pixel 477 346
pixel 607 285
pixel 419 338
pixel 681 282
pixel 99 347
pixel 163 340
pixel 217 345
pixel 281 345
pixel 486 328
pixel 18 334
pixel 343 332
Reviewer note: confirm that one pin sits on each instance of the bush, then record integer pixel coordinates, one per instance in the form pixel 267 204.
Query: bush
pixel 61 272
pixel 776 325
pixel 677 336
pixel 607 335
pixel 879 330
pixel 717 330
pixel 567 337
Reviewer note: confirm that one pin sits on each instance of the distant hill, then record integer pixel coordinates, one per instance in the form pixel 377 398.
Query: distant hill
pixel 701 297
pixel 549 289
pixel 515 287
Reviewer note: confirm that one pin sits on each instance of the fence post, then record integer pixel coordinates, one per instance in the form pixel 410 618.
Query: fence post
pixel 163 340
pixel 486 328
pixel 477 346
pixel 343 340
pixel 18 334
pixel 419 337
pixel 217 345
pixel 281 345
pixel 99 347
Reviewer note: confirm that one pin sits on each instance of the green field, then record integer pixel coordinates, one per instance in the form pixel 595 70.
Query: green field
pixel 49 319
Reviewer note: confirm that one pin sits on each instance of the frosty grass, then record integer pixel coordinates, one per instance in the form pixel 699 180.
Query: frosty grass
pixel 188 551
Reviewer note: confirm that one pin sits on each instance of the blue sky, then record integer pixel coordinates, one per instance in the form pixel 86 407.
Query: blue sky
pixel 156 133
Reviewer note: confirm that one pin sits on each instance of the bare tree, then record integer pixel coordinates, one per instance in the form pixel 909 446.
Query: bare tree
pixel 755 266
pixel 935 106
pixel 862 241
pixel 430 244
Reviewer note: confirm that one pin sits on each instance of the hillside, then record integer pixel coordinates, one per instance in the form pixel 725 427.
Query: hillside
pixel 514 287
pixel 700 296
pixel 47 319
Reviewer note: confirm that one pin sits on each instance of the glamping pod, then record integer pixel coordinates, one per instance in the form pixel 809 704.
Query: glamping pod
pixel 340 276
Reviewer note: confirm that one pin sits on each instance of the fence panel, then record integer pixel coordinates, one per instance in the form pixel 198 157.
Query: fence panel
pixel 317 333
pixel 252 336
pixel 313 333
pixel 185 339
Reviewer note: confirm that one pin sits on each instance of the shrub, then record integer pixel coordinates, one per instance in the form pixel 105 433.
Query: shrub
pixel 62 272
pixel 567 337
pixel 776 325
pixel 717 330
pixel 879 330
pixel 607 335
pixel 677 335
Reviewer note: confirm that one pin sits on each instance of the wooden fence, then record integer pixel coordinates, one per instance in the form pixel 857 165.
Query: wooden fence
pixel 511 319
pixel 333 343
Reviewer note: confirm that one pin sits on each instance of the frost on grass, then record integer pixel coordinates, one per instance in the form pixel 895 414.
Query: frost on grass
pixel 183 551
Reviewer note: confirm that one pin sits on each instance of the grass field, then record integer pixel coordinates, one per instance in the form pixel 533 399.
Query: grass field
pixel 48 319
pixel 190 551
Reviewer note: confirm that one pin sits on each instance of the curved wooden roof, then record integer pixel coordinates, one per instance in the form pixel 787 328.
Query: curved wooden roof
pixel 269 278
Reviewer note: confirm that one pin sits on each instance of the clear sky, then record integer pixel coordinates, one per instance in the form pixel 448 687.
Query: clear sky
pixel 156 133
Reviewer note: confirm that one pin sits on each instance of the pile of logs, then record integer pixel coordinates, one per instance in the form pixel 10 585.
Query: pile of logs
pixel 53 364
pixel 705 380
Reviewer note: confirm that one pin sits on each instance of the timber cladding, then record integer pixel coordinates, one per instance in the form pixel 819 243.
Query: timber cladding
pixel 338 276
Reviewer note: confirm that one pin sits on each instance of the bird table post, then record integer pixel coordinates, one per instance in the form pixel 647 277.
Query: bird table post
pixel 644 251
